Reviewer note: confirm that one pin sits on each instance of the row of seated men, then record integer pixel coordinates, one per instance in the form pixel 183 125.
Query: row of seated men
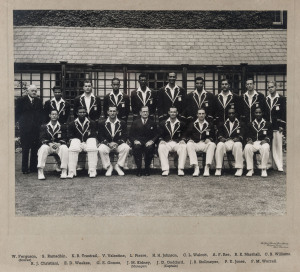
pixel 30 111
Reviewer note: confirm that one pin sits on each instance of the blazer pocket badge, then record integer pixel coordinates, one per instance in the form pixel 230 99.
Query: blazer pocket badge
pixel 264 132
pixel 207 132
pixel 123 105
pixel 206 104
pixel 179 98
pixel 277 108
pixel 95 107
pixel 58 135
pixel 257 105
pixel 238 131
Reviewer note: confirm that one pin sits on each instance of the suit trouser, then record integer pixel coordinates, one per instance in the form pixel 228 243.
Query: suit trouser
pixel 122 150
pixel 76 146
pixel 208 148
pixel 163 152
pixel 264 151
pixel 237 152
pixel 277 153
pixel 138 151
pixel 29 142
pixel 46 150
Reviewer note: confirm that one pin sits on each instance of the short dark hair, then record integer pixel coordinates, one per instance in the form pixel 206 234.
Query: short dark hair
pixel 225 79
pixel 115 78
pixel 54 110
pixel 87 81
pixel 81 108
pixel 250 78
pixel 231 109
pixel 173 73
pixel 56 88
pixel 113 106
pixel 201 109
pixel 199 78
pixel 144 107
pixel 173 108
pixel 143 75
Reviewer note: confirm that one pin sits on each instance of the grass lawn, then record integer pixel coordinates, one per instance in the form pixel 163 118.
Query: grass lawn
pixel 149 196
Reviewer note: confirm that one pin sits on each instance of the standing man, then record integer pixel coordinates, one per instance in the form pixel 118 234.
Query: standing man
pixel 171 96
pixel 251 100
pixel 118 99
pixel 199 99
pixel 82 134
pixel 59 104
pixel 230 137
pixel 276 114
pixel 53 137
pixel 171 139
pixel 112 136
pixel 200 135
pixel 143 135
pixel 142 97
pixel 224 101
pixel 29 112
pixel 259 136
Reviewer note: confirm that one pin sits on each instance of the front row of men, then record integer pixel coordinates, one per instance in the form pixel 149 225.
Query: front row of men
pixel 171 135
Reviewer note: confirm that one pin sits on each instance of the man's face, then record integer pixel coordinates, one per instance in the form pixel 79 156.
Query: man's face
pixel 87 87
pixel 258 114
pixel 231 115
pixel 271 88
pixel 115 85
pixel 53 115
pixel 32 92
pixel 57 94
pixel 143 81
pixel 81 113
pixel 224 86
pixel 199 85
pixel 173 113
pixel 249 85
pixel 144 113
pixel 201 115
pixel 112 112
pixel 172 78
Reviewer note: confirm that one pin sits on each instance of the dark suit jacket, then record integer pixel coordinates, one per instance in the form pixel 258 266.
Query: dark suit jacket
pixel 123 105
pixel 105 134
pixel 89 130
pixel 63 111
pixel 165 101
pixel 247 110
pixel 255 133
pixel 165 132
pixel 276 114
pixel 143 133
pixel 59 135
pixel 95 107
pixel 237 130
pixel 196 134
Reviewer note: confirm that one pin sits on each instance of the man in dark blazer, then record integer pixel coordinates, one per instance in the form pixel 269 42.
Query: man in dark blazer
pixel 118 99
pixel 59 104
pixel 259 137
pixel 29 114
pixel 112 136
pixel 143 96
pixel 143 135
pixel 170 96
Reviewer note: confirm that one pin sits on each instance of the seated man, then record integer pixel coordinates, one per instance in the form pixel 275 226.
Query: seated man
pixel 200 135
pixel 53 138
pixel 259 137
pixel 112 136
pixel 230 139
pixel 171 139
pixel 143 135
pixel 82 134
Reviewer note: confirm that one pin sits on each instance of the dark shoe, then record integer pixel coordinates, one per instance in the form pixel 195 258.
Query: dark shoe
pixel 26 172
pixel 34 170
pixel 138 173
pixel 147 172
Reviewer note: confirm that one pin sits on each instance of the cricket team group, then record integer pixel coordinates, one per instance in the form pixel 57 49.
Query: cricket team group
pixel 187 123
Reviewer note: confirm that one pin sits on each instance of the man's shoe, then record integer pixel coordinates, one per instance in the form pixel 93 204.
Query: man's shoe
pixel 93 173
pixel 109 171
pixel 239 172
pixel 264 173
pixel 218 172
pixel 250 173
pixel 147 172
pixel 206 171
pixel 180 172
pixel 71 175
pixel 57 168
pixel 280 169
pixel 41 173
pixel 63 174
pixel 165 173
pixel 196 172
pixel 119 170
pixel 139 173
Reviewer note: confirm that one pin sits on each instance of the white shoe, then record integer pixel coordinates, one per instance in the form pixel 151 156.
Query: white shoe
pixel 180 172
pixel 264 173
pixel 93 174
pixel 79 168
pixel 109 171
pixel 250 173
pixel 71 175
pixel 119 170
pixel 239 172
pixel 206 171
pixel 280 170
pixel 165 173
pixel 218 172
pixel 196 172
pixel 63 174
pixel 41 173
pixel 57 168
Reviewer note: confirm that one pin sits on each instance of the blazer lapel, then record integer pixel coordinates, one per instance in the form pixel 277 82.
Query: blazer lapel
pixel 108 128
pixel 93 100
pixel 140 96
pixel 82 101
pixel 246 100
pixel 168 127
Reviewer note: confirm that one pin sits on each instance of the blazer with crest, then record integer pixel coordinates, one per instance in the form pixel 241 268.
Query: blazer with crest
pixel 193 104
pixel 276 113
pixel 195 133
pixel 143 132
pixel 247 110
pixel 105 135
pixel 59 135
pixel 88 130
pixel 165 102
pixel 165 132
pixel 237 131
pixel 123 105
pixel 63 111
pixel 95 106
pixel 256 132
pixel 137 102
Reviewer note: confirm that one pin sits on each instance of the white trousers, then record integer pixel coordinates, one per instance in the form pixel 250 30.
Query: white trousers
pixel 163 153
pixel 264 151
pixel 237 152
pixel 46 150
pixel 76 146
pixel 122 150
pixel 277 153
pixel 208 148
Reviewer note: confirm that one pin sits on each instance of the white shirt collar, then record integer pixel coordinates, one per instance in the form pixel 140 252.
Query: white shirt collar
pixel 169 119
pixel 85 120
pixel 255 92
pixel 140 90
pixel 197 121
pixel 262 120
pixel 119 93
pixel 108 121
pixel 30 98
pixel 168 86
pixel 276 95
pixel 229 93
pixel 53 127
pixel 203 91
pixel 83 95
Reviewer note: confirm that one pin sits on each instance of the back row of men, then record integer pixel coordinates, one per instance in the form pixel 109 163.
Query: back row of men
pixel 215 108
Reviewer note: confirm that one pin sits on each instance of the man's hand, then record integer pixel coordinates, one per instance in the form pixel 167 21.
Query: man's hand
pixel 207 141
pixel 280 129
pixel 182 142
pixel 136 142
pixel 162 142
pixel 223 140
pixel 113 145
pixel 250 142
pixel 263 142
pixel 149 143
pixel 236 139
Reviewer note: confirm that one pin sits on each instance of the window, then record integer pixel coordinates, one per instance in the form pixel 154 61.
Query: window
pixel 278 18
